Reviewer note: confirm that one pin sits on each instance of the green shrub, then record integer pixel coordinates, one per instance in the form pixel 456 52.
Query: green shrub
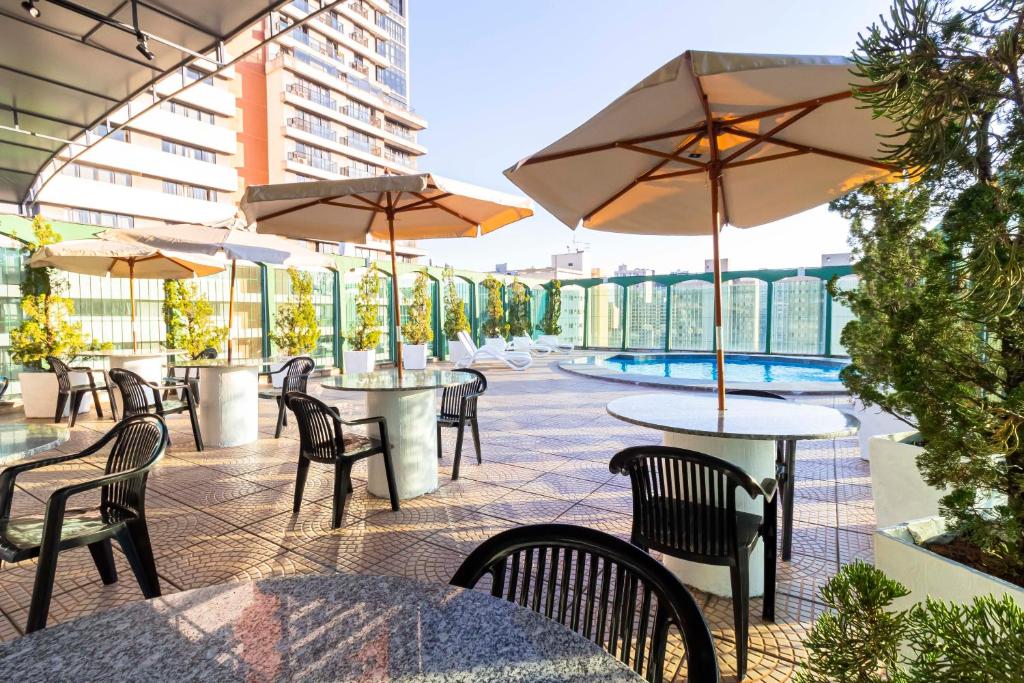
pixel 519 310
pixel 549 323
pixel 188 317
pixel 364 335
pixel 455 319
pixel 494 325
pixel 296 327
pixel 417 328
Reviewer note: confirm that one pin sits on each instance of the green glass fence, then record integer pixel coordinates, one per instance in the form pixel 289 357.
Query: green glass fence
pixel 572 316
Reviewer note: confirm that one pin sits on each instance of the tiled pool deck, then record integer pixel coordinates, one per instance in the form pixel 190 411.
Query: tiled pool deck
pixel 225 514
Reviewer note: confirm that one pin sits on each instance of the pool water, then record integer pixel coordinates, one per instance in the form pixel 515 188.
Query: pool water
pixel 738 368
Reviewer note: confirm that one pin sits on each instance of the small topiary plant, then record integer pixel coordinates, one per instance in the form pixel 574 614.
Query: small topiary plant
pixel 364 335
pixel 417 328
pixel 519 310
pixel 549 323
pixel 494 325
pixel 188 317
pixel 297 330
pixel 455 319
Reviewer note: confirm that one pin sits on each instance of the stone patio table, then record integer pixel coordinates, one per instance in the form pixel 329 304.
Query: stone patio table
pixel 21 440
pixel 744 435
pixel 408 403
pixel 229 410
pixel 149 365
pixel 337 627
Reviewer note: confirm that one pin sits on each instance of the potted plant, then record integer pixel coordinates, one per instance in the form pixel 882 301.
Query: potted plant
pixel 296 330
pixel 45 330
pixel 364 335
pixel 549 327
pixel 938 338
pixel 455 319
pixel 495 327
pixel 417 331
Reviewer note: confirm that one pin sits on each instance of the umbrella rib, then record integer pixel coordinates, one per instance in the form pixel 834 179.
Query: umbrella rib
pixel 349 206
pixel 761 160
pixel 816 150
pixel 373 214
pixel 610 145
pixel 376 205
pixel 674 174
pixel 419 203
pixel 284 212
pixel 669 156
pixel 816 102
pixel 444 208
pixel 764 136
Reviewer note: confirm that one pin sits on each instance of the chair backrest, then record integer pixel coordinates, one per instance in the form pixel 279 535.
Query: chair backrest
pixel 209 353
pixel 451 397
pixel 296 374
pixel 320 435
pixel 601 587
pixel 139 442
pixel 467 341
pixel 684 502
pixel 4 383
pixel 61 369
pixel 135 391
pixel 756 393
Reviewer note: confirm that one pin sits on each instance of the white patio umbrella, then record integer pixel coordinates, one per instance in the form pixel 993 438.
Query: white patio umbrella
pixel 712 138
pixel 232 241
pixel 123 260
pixel 391 207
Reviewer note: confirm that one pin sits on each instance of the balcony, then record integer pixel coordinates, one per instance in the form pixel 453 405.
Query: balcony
pixel 360 37
pixel 321 130
pixel 359 9
pixel 331 19
pixel 302 6
pixel 322 163
pixel 399 131
pixel 314 96
pixel 360 68
pixel 317 45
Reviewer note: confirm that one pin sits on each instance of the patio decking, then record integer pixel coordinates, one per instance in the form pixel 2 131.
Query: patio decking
pixel 225 514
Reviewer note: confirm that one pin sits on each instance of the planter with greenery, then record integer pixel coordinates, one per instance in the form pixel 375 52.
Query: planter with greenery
pixel 938 338
pixel 364 334
pixel 455 319
pixel 189 320
pixel 865 639
pixel 418 331
pixel 296 329
pixel 495 327
pixel 549 327
pixel 519 310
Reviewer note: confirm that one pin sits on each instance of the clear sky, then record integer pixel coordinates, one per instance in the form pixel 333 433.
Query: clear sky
pixel 499 80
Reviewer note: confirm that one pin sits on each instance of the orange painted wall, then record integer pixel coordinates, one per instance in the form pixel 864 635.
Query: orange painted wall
pixel 252 117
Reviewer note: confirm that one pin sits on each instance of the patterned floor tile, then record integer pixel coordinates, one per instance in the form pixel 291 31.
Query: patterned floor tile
pixel 555 485
pixel 523 507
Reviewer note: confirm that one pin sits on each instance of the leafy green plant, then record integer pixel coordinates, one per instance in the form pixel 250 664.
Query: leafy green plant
pixel 549 323
pixel 417 328
pixel 455 319
pixel 519 310
pixel 296 327
pixel 45 329
pixel 939 334
pixel 188 317
pixel 494 325
pixel 364 335
pixel 863 640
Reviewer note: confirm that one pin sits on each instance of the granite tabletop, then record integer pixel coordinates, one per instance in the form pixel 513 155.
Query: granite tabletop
pixel 388 380
pixel 314 628
pixel 224 363
pixel 126 353
pixel 744 418
pixel 19 440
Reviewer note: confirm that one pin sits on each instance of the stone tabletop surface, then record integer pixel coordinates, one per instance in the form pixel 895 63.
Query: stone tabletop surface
pixel 20 440
pixel 388 380
pixel 224 363
pixel 110 353
pixel 326 628
pixel 744 417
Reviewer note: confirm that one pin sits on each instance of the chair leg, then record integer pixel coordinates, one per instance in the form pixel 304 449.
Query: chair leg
pixel 300 483
pixel 770 559
pixel 134 541
pixel 740 575
pixel 113 402
pixel 42 589
pixel 196 434
pixel 280 417
pixel 103 557
pixel 62 401
pixel 342 474
pixel 438 440
pixel 96 399
pixel 76 405
pixel 476 441
pixel 458 449
pixel 787 501
pixel 389 472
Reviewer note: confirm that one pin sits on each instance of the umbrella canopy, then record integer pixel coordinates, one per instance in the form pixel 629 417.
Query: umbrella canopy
pixel 117 259
pixel 712 138
pixel 391 207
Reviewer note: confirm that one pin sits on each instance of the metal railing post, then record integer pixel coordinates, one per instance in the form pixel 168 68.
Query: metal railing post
pixel 264 310
pixel 770 305
pixel 668 317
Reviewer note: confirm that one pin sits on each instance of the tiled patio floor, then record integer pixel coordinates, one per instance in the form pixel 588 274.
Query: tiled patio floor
pixel 225 515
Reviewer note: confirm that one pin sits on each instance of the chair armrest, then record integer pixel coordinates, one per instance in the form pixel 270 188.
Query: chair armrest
pixel 769 487
pixel 360 421
pixel 8 476
pixel 168 384
pixel 74 489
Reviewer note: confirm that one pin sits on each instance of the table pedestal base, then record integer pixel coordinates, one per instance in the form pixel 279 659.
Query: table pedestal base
pixel 757 458
pixel 149 368
pixel 412 424
pixel 229 411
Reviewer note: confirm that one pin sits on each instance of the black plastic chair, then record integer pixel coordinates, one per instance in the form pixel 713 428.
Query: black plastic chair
pixel 137 394
pixel 296 377
pixel 458 408
pixel 600 587
pixel 785 472
pixel 137 443
pixel 322 439
pixel 5 383
pixel 66 390
pixel 684 505
pixel 208 353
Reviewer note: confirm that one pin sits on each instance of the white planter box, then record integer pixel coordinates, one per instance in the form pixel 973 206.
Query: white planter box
pixel 925 573
pixel 414 356
pixel 39 393
pixel 359 361
pixel 457 351
pixel 899 490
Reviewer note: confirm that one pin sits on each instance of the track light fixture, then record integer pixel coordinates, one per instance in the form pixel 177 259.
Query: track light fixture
pixel 143 47
pixel 30 7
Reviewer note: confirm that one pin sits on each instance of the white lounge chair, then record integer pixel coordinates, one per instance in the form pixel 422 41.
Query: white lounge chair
pixel 514 359
pixel 551 341
pixel 526 344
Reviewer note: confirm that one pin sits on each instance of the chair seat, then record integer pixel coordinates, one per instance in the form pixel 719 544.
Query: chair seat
pixel 270 393
pixel 356 445
pixel 451 420
pixel 747 524
pixel 20 537
pixel 86 387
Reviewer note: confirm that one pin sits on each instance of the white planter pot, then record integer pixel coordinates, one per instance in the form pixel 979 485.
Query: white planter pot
pixel 457 351
pixel 899 490
pixel 414 356
pixel 928 574
pixel 39 393
pixel 359 361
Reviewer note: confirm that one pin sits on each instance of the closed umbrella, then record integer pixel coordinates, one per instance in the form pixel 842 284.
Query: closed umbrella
pixel 231 241
pixel 391 207
pixel 710 139
pixel 116 259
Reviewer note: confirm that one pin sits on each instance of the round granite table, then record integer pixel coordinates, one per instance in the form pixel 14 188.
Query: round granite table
pixel 408 403
pixel 19 440
pixel 745 435
pixel 149 365
pixel 314 628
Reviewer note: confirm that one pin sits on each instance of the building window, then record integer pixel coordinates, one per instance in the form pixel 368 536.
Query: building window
pixel 104 129
pixel 393 28
pixel 188 151
pixel 102 175
pixel 179 109
pixel 359 141
pixel 191 73
pixel 392 78
pixel 190 191
pixel 109 220
pixel 361 169
pixel 359 111
pixel 397 6
pixel 394 52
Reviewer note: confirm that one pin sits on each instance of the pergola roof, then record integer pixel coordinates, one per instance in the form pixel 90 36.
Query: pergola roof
pixel 65 72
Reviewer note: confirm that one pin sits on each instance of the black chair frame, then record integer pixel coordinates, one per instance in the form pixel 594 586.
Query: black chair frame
pixel 208 353
pixel 565 572
pixel 122 507
pixel 135 392
pixel 458 409
pixel 66 391
pixel 296 378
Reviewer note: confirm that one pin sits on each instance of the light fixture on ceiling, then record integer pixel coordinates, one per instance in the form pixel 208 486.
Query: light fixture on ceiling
pixel 30 7
pixel 143 47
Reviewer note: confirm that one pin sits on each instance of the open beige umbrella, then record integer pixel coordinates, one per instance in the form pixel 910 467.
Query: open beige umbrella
pixel 124 260
pixel 712 138
pixel 391 207
pixel 232 241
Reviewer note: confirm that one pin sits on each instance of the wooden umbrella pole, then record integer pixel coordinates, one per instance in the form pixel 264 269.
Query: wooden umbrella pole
pixel 231 309
pixel 131 298
pixel 714 174
pixel 396 312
